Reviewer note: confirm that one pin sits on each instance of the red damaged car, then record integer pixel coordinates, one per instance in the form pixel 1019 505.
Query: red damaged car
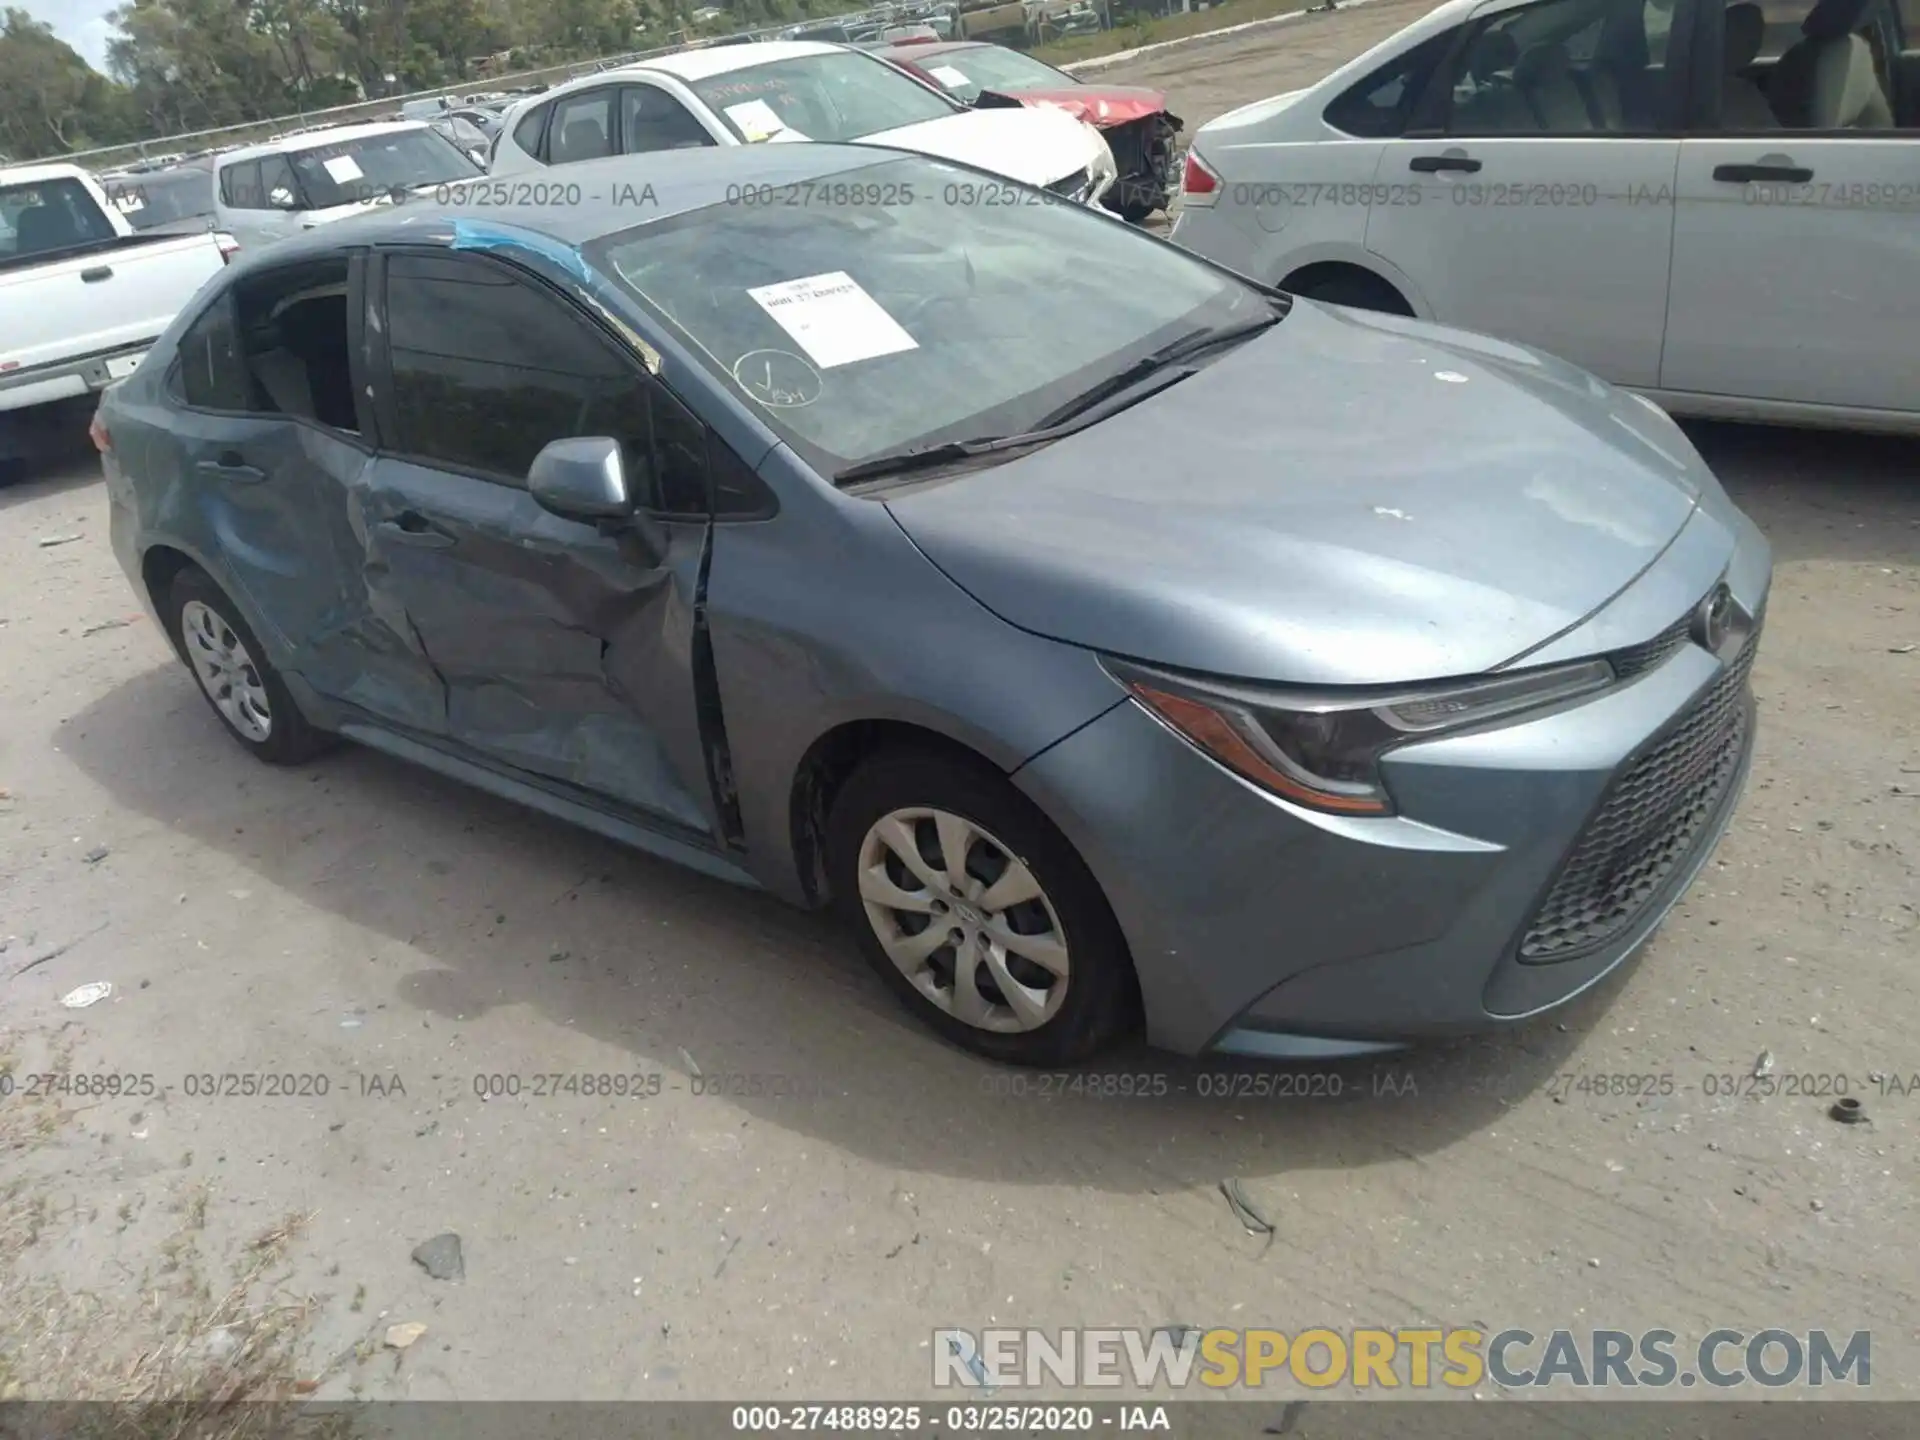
pixel 1134 120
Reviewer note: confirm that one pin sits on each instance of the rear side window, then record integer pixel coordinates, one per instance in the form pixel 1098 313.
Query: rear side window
pixel 210 373
pixel 527 133
pixel 1381 106
pixel 48 215
pixel 240 186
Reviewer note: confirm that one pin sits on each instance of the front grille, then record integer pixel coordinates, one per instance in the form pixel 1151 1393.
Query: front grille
pixel 1637 659
pixel 1073 186
pixel 1650 824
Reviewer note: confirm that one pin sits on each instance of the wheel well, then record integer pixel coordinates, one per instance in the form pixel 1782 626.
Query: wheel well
pixel 826 766
pixel 158 567
pixel 1327 272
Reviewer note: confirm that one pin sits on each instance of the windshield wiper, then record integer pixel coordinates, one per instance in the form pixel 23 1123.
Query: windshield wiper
pixel 948 452
pixel 1185 348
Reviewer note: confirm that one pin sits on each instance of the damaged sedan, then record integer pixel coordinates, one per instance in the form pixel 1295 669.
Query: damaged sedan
pixel 1288 679
pixel 1143 135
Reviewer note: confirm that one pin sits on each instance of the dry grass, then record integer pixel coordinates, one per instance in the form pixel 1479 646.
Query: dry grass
pixel 176 1354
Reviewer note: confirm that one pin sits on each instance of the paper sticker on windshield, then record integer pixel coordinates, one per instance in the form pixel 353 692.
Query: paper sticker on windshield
pixel 833 319
pixel 343 170
pixel 756 119
pixel 948 76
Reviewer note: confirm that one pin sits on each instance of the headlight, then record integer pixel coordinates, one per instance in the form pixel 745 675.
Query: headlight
pixel 1323 750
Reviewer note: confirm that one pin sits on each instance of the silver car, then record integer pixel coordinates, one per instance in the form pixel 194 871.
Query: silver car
pixel 1301 681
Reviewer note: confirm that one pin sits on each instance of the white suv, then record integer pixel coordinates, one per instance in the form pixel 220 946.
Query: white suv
pixel 791 90
pixel 268 192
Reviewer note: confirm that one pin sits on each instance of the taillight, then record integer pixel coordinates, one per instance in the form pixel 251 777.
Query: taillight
pixel 97 432
pixel 229 247
pixel 1198 184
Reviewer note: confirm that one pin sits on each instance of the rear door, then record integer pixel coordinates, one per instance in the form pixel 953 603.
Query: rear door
pixel 1533 200
pixel 565 648
pixel 1795 250
pixel 269 438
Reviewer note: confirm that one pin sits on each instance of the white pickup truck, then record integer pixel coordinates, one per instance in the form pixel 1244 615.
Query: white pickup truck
pixel 82 295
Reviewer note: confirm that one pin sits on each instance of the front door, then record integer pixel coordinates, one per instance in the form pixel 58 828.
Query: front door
pixel 565 649
pixel 1537 202
pixel 1795 249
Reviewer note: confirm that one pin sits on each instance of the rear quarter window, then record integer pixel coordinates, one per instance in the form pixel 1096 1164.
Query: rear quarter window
pixel 531 129
pixel 1381 106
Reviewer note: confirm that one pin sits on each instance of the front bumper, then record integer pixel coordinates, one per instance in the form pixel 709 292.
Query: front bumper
pixel 1259 928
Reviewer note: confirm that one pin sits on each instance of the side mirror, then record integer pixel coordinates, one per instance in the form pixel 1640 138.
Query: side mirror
pixel 582 479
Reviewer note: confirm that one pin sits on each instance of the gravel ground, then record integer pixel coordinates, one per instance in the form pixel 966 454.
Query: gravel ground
pixel 392 937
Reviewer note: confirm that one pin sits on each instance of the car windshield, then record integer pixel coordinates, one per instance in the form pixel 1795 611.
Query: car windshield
pixel 900 306
pixel 349 172
pixel 147 201
pixel 965 73
pixel 49 215
pixel 844 95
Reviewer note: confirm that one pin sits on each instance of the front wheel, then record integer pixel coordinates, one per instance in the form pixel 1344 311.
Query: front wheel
pixel 234 674
pixel 976 911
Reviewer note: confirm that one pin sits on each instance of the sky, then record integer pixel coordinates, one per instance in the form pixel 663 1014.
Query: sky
pixel 81 23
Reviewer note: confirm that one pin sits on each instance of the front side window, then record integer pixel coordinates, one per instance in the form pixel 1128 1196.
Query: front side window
pixel 487 370
pixel 351 172
pixel 240 186
pixel 963 74
pixel 651 119
pixel 855 327
pixel 276 180
pixel 845 95
pixel 532 125
pixel 49 215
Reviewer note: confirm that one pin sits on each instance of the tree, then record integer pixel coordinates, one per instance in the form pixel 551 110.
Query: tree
pixel 51 100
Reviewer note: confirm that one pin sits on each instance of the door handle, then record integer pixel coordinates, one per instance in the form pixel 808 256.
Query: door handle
pixel 1746 174
pixel 410 527
pixel 231 465
pixel 1432 164
pixel 96 275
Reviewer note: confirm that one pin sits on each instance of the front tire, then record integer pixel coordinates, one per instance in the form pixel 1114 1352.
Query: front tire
pixel 976 911
pixel 234 674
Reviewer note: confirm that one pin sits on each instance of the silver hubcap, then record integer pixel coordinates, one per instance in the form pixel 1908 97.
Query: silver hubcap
pixel 964 919
pixel 226 671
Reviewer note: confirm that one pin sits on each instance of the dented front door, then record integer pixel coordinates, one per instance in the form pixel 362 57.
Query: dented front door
pixel 563 652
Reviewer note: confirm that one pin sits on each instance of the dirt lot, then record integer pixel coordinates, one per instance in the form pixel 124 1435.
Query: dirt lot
pixel 391 937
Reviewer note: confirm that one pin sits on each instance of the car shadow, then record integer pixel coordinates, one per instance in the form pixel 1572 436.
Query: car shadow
pixel 1821 494
pixel 686 973
pixel 46 451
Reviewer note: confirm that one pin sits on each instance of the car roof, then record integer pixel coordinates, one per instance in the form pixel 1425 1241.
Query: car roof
pixel 713 60
pixel 894 50
pixel 40 174
pixel 314 139
pixel 616 194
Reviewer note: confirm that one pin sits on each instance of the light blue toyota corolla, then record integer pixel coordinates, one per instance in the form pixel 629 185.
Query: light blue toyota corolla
pixel 1110 639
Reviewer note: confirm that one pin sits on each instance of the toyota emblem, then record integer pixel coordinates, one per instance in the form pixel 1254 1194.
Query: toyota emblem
pixel 1714 619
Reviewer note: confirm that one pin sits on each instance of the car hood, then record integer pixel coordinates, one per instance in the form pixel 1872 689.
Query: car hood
pixel 1103 106
pixel 1036 146
pixel 1349 499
